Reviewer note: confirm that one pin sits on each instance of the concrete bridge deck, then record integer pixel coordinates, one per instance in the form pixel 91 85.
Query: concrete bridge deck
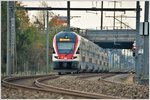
pixel 120 39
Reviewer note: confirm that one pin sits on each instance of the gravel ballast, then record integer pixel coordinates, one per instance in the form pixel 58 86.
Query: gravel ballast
pixel 10 93
pixel 101 87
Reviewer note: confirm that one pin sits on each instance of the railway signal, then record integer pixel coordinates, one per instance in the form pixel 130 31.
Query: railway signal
pixel 134 48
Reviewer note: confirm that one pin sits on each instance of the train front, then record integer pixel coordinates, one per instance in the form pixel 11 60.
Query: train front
pixel 65 59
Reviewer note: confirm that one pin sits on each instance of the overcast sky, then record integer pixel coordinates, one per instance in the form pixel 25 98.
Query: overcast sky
pixel 90 19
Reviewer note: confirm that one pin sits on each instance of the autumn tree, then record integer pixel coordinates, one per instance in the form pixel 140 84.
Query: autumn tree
pixel 41 15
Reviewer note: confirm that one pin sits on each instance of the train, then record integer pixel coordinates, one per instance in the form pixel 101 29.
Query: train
pixel 74 53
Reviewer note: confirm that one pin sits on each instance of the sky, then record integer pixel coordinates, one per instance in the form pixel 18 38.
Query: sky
pixel 90 19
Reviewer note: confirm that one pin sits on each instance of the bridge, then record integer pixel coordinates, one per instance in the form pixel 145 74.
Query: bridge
pixel 120 39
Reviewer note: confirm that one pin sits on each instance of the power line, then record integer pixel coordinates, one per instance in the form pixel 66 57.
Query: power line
pixel 121 22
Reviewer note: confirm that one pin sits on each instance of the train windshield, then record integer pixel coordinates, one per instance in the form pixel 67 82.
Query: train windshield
pixel 65 47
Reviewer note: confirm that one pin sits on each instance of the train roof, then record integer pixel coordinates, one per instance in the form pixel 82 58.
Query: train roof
pixel 66 32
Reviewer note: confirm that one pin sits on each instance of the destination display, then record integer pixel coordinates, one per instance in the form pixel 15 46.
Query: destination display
pixel 64 39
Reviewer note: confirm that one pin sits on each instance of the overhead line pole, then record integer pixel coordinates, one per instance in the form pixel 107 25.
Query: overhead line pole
pixel 8 68
pixel 47 41
pixel 102 15
pixel 114 14
pixel 68 14
pixel 11 33
pixel 137 57
pixel 146 46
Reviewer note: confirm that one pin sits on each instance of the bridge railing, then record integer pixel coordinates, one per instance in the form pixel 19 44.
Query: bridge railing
pixel 117 31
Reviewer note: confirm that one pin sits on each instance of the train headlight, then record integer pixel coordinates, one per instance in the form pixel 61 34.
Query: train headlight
pixel 65 57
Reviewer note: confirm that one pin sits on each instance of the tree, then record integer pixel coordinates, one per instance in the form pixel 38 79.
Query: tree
pixel 24 36
pixel 22 17
pixel 40 18
pixel 30 40
pixel 57 22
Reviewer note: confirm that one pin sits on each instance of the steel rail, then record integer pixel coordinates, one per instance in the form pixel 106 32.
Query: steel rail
pixel 104 75
pixel 8 82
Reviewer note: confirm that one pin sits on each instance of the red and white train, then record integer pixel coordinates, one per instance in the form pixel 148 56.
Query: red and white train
pixel 74 53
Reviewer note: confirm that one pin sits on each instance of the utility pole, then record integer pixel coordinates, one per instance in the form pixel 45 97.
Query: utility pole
pixel 114 14
pixel 68 14
pixel 47 41
pixel 102 15
pixel 138 43
pixel 11 34
pixel 146 45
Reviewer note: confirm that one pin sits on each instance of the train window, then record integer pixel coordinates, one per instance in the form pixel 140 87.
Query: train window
pixel 100 63
pixel 102 57
pixel 83 42
pixel 65 47
pixel 90 60
pixel 92 54
pixel 83 52
pixel 78 51
pixel 96 61
pixel 87 52
pixel 97 56
pixel 83 58
pixel 107 64
pixel 90 48
pixel 106 58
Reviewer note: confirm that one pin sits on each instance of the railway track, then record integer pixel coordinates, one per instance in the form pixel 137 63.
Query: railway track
pixel 104 76
pixel 37 83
